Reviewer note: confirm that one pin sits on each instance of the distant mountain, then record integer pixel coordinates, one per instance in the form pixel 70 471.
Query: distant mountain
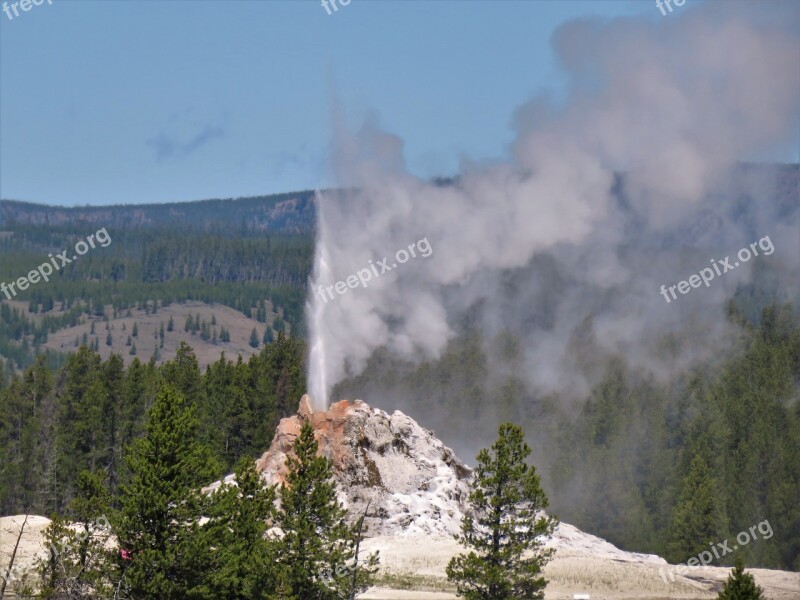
pixel 291 213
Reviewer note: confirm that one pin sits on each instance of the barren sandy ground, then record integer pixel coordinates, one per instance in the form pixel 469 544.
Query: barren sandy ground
pixel 417 563
pixel 420 562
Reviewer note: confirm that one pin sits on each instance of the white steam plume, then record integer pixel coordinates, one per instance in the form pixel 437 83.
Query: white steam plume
pixel 673 104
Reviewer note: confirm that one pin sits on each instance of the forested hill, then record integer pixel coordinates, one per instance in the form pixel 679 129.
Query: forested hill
pixel 223 275
pixel 291 213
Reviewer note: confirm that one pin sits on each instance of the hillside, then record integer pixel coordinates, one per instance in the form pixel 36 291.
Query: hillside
pixel 219 329
pixel 249 255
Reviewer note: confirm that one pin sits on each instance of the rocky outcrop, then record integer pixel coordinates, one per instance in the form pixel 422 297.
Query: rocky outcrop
pixel 411 480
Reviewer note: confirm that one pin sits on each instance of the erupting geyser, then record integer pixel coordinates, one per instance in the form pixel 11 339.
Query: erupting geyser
pixel 576 228
pixel 316 309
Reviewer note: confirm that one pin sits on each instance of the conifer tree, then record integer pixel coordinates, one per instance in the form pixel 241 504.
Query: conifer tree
pixel 316 542
pixel 79 564
pixel 504 526
pixel 161 506
pixel 740 585
pixel 244 565
pixel 696 517
pixel 183 372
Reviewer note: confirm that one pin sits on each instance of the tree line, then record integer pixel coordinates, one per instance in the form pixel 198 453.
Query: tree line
pixel 82 416
pixel 150 265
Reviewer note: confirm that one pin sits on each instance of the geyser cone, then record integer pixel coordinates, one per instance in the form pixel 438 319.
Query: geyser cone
pixel 411 480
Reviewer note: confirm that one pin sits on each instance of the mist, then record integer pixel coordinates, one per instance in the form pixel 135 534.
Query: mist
pixel 642 177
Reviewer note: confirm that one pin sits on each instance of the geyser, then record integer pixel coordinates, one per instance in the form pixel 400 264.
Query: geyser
pixel 315 315
pixel 629 182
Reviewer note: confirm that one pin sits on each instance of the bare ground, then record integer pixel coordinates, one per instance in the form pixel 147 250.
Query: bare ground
pixel 413 568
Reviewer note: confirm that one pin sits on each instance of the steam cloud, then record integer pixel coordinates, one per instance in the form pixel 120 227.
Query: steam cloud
pixel 636 181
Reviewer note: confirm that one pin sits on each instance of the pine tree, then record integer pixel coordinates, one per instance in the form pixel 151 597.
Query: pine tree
pixel 183 372
pixel 80 423
pixel 317 542
pixel 740 585
pixel 254 338
pixel 171 324
pixel 79 565
pixel 109 339
pixel 504 526
pixel 135 331
pixel 244 565
pixel 696 517
pixel 161 506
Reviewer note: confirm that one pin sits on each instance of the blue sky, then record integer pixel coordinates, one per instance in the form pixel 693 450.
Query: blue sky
pixel 116 101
